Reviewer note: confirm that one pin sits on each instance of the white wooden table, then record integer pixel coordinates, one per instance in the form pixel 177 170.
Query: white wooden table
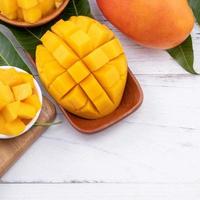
pixel 153 154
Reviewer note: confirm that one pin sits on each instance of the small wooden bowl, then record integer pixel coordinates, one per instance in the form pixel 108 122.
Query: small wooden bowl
pixel 44 20
pixel 131 101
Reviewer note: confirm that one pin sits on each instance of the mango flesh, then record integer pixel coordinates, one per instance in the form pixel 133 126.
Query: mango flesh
pixel 29 11
pixel 19 101
pixel 83 66
pixel 154 23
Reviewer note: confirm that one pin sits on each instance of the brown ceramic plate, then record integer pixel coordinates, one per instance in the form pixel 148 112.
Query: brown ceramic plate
pixel 132 99
pixel 40 22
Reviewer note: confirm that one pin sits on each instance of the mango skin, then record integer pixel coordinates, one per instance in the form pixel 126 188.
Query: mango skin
pixel 161 24
pixel 83 66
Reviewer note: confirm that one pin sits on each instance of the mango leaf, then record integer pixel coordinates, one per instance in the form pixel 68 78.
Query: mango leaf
pixel 30 38
pixel 195 5
pixel 184 53
pixel 9 54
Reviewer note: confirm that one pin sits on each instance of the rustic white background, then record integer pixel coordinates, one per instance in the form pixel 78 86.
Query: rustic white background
pixel 152 155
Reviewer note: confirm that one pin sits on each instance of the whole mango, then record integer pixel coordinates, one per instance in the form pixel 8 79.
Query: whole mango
pixel 161 24
pixel 83 66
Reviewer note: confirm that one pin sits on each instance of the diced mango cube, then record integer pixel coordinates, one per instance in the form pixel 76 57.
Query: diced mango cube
pixel 14 128
pixel 32 15
pixel 46 6
pixel 107 76
pixel 92 87
pixel 78 71
pixel 27 4
pixel 27 78
pixel 80 43
pixel 83 22
pixel 76 98
pixel 51 41
pixel 96 59
pixel 34 101
pixel 64 55
pixel 43 56
pixel 64 29
pixel 59 87
pixel 51 71
pixel 104 104
pixel 6 93
pixel 98 34
pixel 26 111
pixel 112 49
pixel 10 112
pixel 10 77
pixel 8 6
pixel 22 91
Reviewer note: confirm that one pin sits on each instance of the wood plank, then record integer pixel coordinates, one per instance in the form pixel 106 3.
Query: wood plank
pixel 100 191
pixel 11 150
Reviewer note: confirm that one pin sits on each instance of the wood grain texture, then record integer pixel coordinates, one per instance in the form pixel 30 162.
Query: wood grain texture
pixel 12 149
pixel 99 191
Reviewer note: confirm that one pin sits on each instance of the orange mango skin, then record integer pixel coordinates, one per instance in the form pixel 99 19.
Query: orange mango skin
pixel 160 24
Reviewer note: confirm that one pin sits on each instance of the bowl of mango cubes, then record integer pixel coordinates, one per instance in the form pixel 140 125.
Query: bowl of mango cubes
pixel 30 13
pixel 20 102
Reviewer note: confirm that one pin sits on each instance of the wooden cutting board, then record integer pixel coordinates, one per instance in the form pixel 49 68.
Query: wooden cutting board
pixel 12 149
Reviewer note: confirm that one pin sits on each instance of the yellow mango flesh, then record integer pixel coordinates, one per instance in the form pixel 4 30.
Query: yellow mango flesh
pixel 30 11
pixel 19 101
pixel 83 66
pixel 22 91
pixel 15 127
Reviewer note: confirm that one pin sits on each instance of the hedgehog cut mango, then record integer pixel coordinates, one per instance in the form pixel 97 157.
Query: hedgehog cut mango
pixel 83 66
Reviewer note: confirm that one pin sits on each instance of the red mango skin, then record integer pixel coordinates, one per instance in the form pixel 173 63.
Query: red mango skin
pixel 160 24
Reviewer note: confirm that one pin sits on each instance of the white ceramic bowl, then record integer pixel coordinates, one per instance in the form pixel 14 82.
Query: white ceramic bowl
pixel 32 122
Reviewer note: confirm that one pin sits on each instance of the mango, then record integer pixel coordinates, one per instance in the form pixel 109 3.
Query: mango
pixel 34 101
pixel 19 101
pixel 2 124
pixel 27 4
pixel 22 91
pixel 10 112
pixel 5 77
pixel 26 111
pixel 14 128
pixel 83 66
pixel 8 6
pixel 6 95
pixel 30 11
pixel 32 15
pixel 154 23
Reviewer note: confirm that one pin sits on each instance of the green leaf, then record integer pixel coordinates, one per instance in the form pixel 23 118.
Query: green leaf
pixel 195 5
pixel 184 55
pixel 9 54
pixel 30 38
